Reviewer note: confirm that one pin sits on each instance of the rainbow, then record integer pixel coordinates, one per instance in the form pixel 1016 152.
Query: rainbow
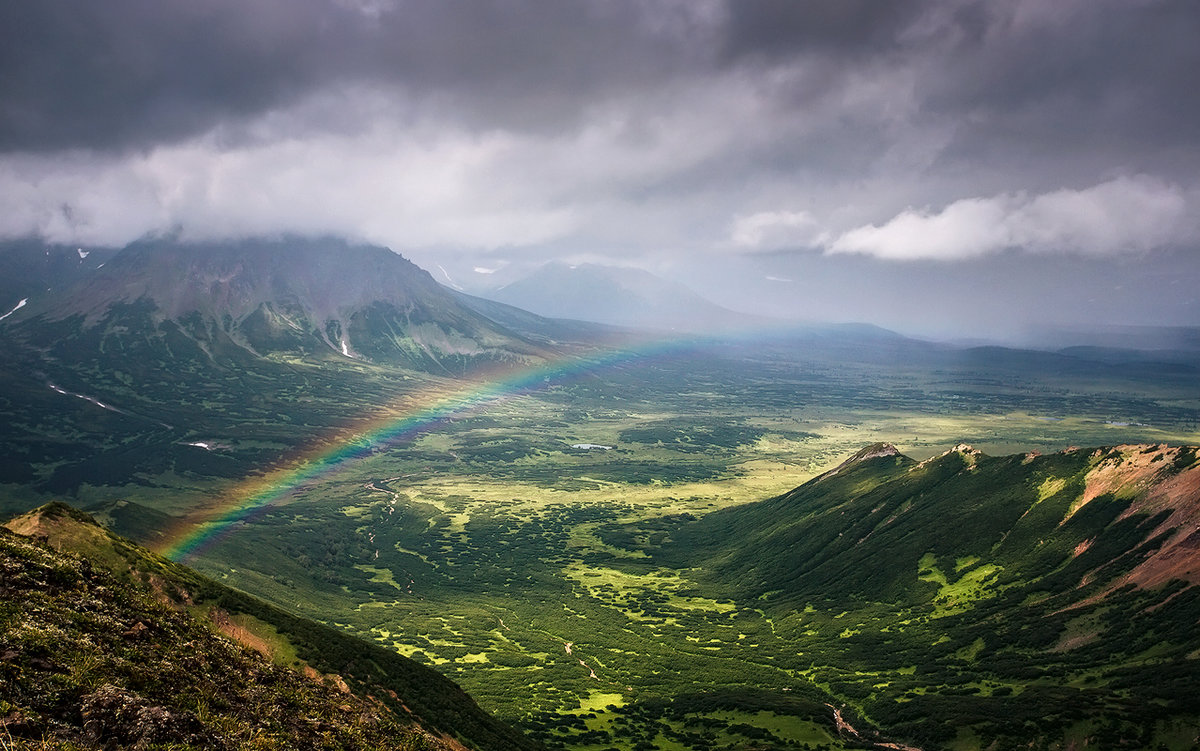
pixel 411 415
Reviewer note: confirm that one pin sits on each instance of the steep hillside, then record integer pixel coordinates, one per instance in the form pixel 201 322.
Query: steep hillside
pixel 1009 600
pixel 1031 516
pixel 107 645
pixel 555 332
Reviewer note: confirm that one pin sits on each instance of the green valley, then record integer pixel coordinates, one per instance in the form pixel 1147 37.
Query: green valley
pixel 578 593
pixel 883 593
pixel 612 540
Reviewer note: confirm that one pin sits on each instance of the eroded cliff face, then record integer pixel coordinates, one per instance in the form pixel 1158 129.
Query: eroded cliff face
pixel 1157 480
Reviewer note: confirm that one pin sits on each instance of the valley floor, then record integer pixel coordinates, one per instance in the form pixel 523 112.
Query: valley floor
pixel 526 570
pixel 547 578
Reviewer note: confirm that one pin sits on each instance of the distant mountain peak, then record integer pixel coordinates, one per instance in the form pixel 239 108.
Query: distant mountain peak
pixel 52 512
pixel 62 526
pixel 873 451
pixel 965 451
pixel 615 295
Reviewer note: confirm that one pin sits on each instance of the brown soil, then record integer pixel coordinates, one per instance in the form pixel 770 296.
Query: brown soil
pixel 240 634
pixel 1132 470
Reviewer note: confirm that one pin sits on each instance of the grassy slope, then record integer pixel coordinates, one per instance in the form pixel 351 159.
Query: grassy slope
pixel 90 662
pixel 407 689
pixel 985 599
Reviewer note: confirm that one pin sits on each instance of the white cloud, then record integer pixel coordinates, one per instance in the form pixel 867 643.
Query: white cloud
pixel 646 171
pixel 1124 215
pixel 655 172
pixel 969 227
pixel 774 230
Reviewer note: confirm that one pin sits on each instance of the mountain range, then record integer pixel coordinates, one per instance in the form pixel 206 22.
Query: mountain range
pixel 118 364
pixel 310 297
pixel 31 269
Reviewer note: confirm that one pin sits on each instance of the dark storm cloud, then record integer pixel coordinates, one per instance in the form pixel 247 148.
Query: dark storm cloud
pixel 1015 77
pixel 136 72
pixel 773 29
pixel 1113 79
pixel 851 126
pixel 1098 81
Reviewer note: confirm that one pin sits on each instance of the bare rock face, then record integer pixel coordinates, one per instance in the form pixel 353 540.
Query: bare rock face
pixel 120 719
pixel 874 451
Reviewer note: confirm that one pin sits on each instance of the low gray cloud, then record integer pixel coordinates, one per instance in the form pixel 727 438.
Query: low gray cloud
pixel 1100 77
pixel 670 133
pixel 127 73
pixel 780 29
pixel 771 230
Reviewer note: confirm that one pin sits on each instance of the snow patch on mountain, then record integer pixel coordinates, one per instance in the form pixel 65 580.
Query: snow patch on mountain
pixel 15 309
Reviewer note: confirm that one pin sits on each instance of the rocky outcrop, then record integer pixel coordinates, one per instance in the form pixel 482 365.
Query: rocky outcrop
pixel 874 451
pixel 116 718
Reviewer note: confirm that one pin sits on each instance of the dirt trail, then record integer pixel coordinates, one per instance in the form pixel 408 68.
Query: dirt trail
pixel 841 724
pixel 846 729
pixel 392 494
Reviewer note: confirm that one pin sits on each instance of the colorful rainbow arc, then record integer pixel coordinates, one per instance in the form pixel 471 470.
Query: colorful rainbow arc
pixel 423 412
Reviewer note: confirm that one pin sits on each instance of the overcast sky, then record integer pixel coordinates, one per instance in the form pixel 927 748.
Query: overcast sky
pixel 950 167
